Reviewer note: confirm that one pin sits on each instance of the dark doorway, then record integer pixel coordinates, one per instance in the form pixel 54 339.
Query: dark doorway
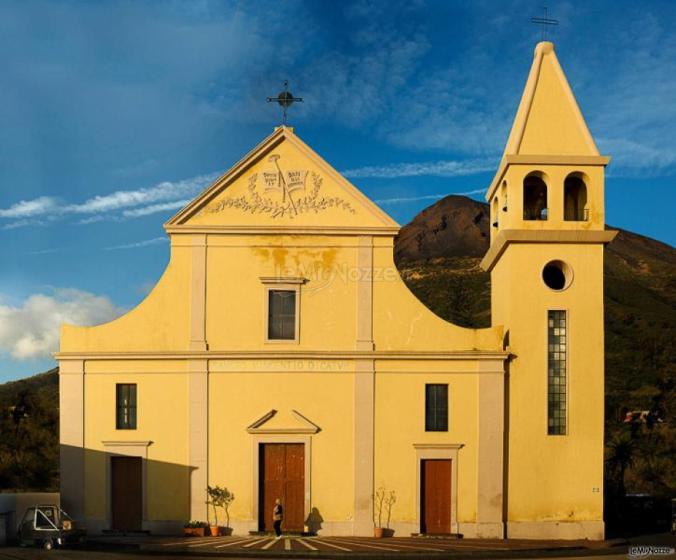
pixel 435 496
pixel 282 475
pixel 126 493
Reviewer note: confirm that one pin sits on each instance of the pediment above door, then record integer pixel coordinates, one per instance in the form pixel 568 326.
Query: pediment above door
pixel 291 422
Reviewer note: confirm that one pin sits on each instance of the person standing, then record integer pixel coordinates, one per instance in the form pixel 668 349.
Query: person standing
pixel 277 517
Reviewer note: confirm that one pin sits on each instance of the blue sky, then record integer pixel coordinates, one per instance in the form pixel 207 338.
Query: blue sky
pixel 112 114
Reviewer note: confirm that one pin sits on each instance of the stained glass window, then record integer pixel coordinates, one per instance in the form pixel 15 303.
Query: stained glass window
pixel 557 330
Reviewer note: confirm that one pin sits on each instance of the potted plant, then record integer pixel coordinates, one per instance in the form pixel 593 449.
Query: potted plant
pixel 194 528
pixel 220 497
pixel 382 501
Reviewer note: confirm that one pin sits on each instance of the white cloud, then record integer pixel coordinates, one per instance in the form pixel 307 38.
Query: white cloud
pixel 404 199
pixel 120 204
pixel 31 330
pixel 22 223
pixel 447 168
pixel 164 191
pixel 137 244
pixel 27 208
pixel 154 208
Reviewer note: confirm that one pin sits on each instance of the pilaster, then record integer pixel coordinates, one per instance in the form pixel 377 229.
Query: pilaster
pixel 364 394
pixel 491 408
pixel 71 436
pixel 198 293
pixel 198 418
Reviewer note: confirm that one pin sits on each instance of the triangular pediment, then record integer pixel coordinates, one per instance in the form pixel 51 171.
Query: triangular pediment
pixel 291 422
pixel 549 120
pixel 282 183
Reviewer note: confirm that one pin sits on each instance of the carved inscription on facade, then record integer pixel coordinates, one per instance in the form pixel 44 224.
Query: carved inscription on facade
pixel 282 193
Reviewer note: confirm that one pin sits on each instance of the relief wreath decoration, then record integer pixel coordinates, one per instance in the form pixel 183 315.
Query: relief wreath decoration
pixel 283 195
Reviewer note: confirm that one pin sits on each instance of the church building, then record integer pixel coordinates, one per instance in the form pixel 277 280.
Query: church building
pixel 281 355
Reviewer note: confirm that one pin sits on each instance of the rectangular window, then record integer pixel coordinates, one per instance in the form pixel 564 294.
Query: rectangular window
pixel 126 406
pixel 281 315
pixel 556 372
pixel 436 408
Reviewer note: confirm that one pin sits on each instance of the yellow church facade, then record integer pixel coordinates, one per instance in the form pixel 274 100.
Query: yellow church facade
pixel 280 355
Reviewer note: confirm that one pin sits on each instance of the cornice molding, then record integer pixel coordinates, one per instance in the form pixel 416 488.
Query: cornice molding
pixel 282 230
pixel 126 443
pixel 282 280
pixel 290 354
pixel 438 445
pixel 563 236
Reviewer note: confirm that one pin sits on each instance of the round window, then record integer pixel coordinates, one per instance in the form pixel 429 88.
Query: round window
pixel 557 275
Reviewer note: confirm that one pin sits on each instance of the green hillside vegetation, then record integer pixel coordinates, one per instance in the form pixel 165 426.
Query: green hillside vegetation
pixel 438 255
pixel 29 433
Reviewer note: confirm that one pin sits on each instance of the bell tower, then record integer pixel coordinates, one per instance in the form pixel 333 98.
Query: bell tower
pixel 546 264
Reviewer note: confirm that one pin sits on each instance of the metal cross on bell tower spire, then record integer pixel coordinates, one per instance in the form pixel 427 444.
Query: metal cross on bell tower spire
pixel 285 99
pixel 544 22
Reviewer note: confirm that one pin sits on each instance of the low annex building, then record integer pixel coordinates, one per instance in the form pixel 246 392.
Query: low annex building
pixel 282 356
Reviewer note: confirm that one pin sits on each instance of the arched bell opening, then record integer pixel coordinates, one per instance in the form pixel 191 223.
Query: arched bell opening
pixel 535 196
pixel 575 198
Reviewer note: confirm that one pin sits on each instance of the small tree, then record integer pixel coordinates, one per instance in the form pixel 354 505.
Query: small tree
pixel 212 499
pixel 220 497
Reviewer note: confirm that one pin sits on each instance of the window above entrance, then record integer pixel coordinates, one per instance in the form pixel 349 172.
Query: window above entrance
pixel 125 406
pixel 436 407
pixel 282 308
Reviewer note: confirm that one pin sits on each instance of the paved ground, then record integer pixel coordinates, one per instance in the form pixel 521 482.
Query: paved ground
pixel 23 554
pixel 347 548
pixel 342 545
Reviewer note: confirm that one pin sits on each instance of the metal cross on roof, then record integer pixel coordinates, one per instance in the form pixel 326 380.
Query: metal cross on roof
pixel 544 22
pixel 285 99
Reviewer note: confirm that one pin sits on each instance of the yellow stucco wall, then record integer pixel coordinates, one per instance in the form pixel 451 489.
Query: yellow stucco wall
pixel 162 420
pixel 234 289
pixel 237 400
pixel 400 421
pixel 159 323
pixel 569 467
pixel 401 321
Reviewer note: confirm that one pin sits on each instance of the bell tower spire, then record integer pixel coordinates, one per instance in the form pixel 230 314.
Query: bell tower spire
pixel 551 176
pixel 546 264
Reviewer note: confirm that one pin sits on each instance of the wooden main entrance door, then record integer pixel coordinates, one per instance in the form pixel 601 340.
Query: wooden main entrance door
pixel 435 496
pixel 282 475
pixel 127 493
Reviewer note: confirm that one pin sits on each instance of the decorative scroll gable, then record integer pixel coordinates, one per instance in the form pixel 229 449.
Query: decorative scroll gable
pixel 282 184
